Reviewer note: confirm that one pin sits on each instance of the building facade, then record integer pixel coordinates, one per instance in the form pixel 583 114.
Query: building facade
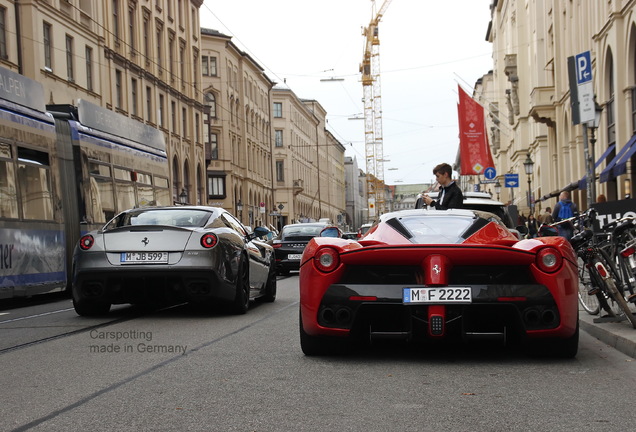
pixel 308 161
pixel 355 194
pixel 238 134
pixel 527 96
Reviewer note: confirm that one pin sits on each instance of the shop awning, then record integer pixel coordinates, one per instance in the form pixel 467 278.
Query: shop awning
pixel 583 181
pixel 621 165
pixel 617 166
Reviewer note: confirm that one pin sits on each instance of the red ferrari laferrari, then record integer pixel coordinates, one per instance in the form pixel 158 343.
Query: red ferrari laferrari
pixel 426 275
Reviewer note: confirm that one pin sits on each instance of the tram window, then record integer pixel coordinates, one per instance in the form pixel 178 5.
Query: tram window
pixel 161 182
pixel 8 197
pixel 125 196
pixel 145 196
pixel 123 174
pixel 162 196
pixel 99 169
pixel 33 156
pixel 144 178
pixel 102 203
pixel 5 151
pixel 35 192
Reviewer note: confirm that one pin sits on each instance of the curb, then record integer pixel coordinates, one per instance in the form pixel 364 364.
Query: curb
pixel 625 345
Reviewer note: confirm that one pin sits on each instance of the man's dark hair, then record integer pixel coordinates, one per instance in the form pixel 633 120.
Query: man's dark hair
pixel 443 168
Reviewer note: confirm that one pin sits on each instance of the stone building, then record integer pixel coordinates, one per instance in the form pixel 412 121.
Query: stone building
pixel 356 194
pixel 308 161
pixel 238 133
pixel 527 95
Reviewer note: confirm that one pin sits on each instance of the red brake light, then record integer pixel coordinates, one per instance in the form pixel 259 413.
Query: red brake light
pixel 327 259
pixel 208 241
pixel 549 260
pixel 86 242
pixel 628 251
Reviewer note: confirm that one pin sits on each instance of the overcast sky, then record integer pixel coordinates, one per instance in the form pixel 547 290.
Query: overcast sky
pixel 427 47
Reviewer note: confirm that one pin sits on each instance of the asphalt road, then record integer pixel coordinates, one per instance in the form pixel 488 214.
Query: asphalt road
pixel 180 369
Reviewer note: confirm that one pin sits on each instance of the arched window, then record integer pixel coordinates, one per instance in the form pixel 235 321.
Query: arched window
pixel 610 104
pixel 175 179
pixel 186 181
pixel 211 101
pixel 200 182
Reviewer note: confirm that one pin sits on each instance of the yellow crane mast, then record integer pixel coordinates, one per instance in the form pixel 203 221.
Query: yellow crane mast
pixel 370 69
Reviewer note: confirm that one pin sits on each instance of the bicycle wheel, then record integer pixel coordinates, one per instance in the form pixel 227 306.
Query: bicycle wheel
pixel 600 291
pixel 618 298
pixel 588 301
pixel 620 283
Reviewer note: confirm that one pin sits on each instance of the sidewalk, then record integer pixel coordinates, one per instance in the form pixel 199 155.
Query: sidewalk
pixel 619 335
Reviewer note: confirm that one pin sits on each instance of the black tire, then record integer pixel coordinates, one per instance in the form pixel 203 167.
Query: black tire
pixel 317 345
pixel 270 286
pixel 566 348
pixel 620 300
pixel 556 348
pixel 614 289
pixel 601 293
pixel 242 296
pixel 90 308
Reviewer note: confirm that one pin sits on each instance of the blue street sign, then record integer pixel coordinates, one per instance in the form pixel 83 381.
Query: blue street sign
pixel 583 68
pixel 511 180
pixel 490 173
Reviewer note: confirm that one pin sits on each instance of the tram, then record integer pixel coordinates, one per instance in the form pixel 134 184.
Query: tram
pixel 65 170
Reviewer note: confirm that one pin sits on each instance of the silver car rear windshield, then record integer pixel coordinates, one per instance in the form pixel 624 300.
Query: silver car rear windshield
pixel 170 217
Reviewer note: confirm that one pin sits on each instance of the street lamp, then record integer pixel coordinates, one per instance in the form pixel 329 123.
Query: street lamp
pixel 528 164
pixel 183 197
pixel 239 209
pixel 497 189
pixel 593 125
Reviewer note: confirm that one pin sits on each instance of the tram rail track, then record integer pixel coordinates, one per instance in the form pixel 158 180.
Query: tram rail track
pixel 89 328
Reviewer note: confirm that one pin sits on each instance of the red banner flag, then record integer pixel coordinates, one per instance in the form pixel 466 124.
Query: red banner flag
pixel 474 151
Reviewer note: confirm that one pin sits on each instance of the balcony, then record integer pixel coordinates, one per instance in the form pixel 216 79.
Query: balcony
pixel 298 186
pixel 542 107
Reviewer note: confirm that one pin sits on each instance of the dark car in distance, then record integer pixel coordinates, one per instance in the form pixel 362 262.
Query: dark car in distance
pixel 290 244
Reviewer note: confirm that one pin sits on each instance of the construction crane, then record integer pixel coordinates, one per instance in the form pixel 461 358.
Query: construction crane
pixel 370 69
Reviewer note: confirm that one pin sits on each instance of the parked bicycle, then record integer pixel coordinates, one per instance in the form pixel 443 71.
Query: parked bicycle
pixel 598 276
pixel 620 245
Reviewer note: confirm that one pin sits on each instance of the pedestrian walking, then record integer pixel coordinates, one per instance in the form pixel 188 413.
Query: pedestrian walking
pixel 565 209
pixel 546 218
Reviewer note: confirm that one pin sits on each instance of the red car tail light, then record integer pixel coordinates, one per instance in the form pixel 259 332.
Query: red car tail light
pixel 628 251
pixel 86 242
pixel 208 241
pixel 549 260
pixel 327 259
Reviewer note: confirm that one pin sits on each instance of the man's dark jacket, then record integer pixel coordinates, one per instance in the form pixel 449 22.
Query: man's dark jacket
pixel 453 197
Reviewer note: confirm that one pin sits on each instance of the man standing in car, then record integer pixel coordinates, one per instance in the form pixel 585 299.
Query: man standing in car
pixel 450 195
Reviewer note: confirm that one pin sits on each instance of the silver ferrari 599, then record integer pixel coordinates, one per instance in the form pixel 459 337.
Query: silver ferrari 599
pixel 159 255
